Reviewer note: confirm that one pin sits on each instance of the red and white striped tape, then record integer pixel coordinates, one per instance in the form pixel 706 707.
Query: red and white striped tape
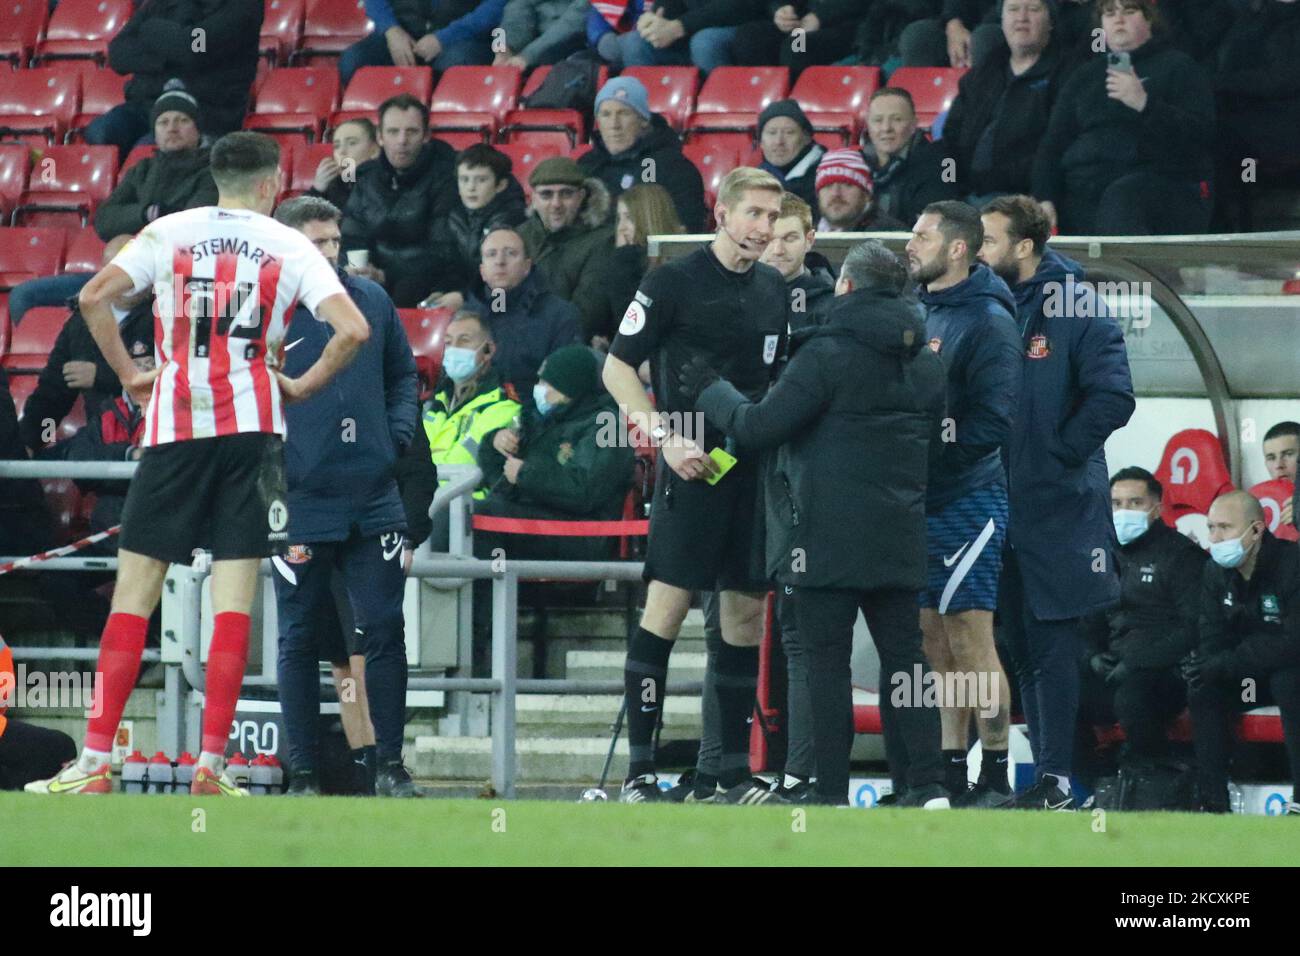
pixel 62 552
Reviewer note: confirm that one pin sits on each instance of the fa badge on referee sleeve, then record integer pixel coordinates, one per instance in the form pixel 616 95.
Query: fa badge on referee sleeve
pixel 770 343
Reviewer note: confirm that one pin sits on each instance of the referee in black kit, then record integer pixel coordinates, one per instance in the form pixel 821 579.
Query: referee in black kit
pixel 718 304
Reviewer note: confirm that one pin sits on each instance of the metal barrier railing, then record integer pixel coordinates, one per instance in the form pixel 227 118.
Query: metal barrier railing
pixel 182 600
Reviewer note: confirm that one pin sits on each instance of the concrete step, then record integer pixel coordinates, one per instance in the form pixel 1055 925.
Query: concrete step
pixel 593 715
pixel 590 623
pixel 537 759
pixel 684 665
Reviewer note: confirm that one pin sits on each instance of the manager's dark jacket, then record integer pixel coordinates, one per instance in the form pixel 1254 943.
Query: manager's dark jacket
pixel 1075 391
pixel 344 445
pixel 855 413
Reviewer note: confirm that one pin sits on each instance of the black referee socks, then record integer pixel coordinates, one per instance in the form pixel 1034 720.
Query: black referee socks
pixel 644 676
pixel 954 771
pixel 736 681
pixel 993 770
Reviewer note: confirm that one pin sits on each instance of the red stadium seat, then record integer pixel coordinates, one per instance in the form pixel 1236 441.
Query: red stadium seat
pixel 85 252
pixel 836 89
pixel 281 29
pixel 66 184
pixel 742 89
pixel 537 127
pixel 1272 495
pixel 15 161
pixel 38 102
pixel 462 129
pixel 137 153
pixel 81 29
pixel 305 161
pixel 20 28
pixel 101 90
pixel 734 136
pixel 1193 472
pixel 371 85
pixel 20 389
pixel 330 27
pixel 28 254
pixel 524 156
pixel 32 340
pixel 670 90
pixel 933 89
pixel 295 100
pixel 479 89
pixel 425 330
pixel 713 162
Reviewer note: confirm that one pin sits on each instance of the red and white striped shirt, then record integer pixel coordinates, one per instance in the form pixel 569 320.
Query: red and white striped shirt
pixel 226 282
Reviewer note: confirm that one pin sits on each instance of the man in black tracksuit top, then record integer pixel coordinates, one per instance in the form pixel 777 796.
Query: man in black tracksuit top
pixel 1130 670
pixel 854 414
pixel 718 303
pixel 1249 654
pixel 346 514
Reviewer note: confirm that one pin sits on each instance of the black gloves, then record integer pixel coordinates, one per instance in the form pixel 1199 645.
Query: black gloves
pixel 1199 670
pixel 694 377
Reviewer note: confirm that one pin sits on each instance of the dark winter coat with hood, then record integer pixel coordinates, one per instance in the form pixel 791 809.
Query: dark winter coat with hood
pixel 854 414
pixel 465 229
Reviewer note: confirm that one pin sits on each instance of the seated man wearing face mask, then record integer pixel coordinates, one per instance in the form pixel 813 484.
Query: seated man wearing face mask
pixel 1249 642
pixel 1130 671
pixel 563 462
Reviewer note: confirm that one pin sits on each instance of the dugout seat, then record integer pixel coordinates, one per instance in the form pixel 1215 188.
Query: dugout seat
pixel 670 90
pixel 1193 472
pixel 1271 495
pixel 933 89
pixel 65 186
pixel 81 30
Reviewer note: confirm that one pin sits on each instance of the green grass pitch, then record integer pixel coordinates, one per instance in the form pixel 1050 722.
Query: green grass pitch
pixel 167 831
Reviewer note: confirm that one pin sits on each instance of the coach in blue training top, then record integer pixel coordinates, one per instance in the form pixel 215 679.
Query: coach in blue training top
pixel 1061 560
pixel 342 453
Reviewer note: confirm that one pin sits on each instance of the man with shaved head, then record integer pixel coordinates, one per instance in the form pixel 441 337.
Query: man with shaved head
pixel 1249 654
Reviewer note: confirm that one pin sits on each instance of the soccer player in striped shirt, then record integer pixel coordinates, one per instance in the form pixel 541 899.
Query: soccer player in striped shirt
pixel 227 279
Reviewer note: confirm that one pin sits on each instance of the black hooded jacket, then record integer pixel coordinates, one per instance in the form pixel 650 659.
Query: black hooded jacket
pixel 671 169
pixel 1250 628
pixel 466 228
pixel 854 413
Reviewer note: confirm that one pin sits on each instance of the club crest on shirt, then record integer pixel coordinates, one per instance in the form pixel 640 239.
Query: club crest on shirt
pixel 935 345
pixel 633 319
pixel 1039 347
pixel 770 343
pixel 298 554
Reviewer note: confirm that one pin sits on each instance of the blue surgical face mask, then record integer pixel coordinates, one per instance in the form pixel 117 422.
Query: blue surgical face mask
pixel 539 399
pixel 1130 525
pixel 459 363
pixel 1229 553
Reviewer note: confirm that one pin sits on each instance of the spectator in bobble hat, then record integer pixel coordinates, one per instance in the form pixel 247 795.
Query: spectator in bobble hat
pixel 785 136
pixel 632 145
pixel 844 195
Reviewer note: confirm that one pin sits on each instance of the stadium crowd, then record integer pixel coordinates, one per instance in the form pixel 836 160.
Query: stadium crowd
pixel 1119 117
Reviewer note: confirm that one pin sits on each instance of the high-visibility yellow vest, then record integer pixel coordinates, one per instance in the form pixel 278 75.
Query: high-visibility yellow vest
pixel 455 437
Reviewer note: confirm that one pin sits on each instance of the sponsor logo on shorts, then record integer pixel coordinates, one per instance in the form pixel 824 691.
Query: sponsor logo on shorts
pixel 277 517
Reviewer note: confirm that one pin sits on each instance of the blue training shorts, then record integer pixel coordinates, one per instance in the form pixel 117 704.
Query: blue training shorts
pixel 964 552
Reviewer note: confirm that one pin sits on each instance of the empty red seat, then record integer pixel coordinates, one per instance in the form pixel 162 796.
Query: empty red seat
pixel 330 27
pixel 836 89
pixel 1273 495
pixel 295 100
pixel 15 161
pixel 81 29
pixel 39 102
pixel 524 156
pixel 66 184
pixel 281 29
pixel 32 340
pixel 371 85
pixel 20 28
pixel 479 89
pixel 1193 472
pixel 714 162
pixel 85 251
pixel 29 253
pixel 425 330
pixel 933 89
pixel 742 89
pixel 137 153
pixel 737 141
pixel 101 90
pixel 670 90
pixel 544 126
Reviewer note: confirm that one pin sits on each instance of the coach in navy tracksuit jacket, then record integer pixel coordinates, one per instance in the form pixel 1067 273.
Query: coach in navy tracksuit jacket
pixel 343 450
pixel 1076 390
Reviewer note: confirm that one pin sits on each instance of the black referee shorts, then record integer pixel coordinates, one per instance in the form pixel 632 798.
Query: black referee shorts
pixel 225 495
pixel 705 536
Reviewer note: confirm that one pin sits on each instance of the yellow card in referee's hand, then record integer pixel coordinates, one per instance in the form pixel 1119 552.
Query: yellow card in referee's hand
pixel 724 462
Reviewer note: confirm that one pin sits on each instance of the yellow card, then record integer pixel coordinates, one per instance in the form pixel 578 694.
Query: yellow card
pixel 725 463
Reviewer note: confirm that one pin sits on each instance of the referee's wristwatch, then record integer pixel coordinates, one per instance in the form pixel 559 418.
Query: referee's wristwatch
pixel 658 435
